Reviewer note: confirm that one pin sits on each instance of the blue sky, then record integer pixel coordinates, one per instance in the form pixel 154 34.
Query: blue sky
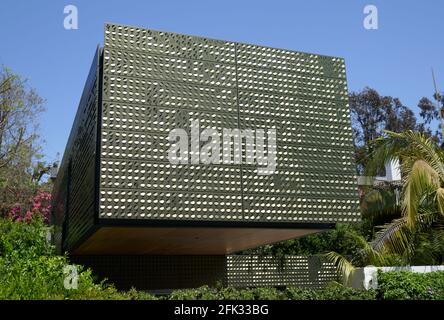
pixel 395 59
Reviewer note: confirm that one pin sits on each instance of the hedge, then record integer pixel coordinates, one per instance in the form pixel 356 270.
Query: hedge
pixel 404 285
pixel 394 285
pixel 334 291
pixel 30 269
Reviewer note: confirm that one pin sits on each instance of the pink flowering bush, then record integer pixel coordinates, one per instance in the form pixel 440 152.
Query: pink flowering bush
pixel 40 206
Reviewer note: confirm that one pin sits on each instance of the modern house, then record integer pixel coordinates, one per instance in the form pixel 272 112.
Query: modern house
pixel 119 199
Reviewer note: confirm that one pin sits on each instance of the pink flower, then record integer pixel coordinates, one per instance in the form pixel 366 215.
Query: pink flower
pixel 28 216
pixel 39 206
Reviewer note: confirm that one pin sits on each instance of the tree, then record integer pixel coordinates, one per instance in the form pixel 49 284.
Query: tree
pixel 20 106
pixel 422 167
pixel 431 112
pixel 416 236
pixel 371 114
pixel 428 110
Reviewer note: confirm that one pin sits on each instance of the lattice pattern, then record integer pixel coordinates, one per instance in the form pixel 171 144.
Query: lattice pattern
pixel 167 68
pixel 300 271
pixel 289 61
pixel 165 94
pixel 136 204
pixel 158 119
pixel 156 81
pixel 152 175
pixel 167 43
pixel 304 97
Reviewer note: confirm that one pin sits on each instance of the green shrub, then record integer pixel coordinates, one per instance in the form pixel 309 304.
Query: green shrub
pixel 404 285
pixel 24 240
pixel 29 268
pixel 332 292
pixel 202 293
pixel 295 293
pixel 262 293
pixel 337 291
pixel 341 239
pixel 133 294
pixel 230 293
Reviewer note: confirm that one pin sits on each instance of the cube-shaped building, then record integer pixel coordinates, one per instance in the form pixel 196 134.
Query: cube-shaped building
pixel 117 190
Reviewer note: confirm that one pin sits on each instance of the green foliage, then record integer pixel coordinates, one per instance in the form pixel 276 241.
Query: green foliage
pixel 133 294
pixel 422 190
pixel 230 293
pixel 414 234
pixel 332 292
pixel 342 239
pixel 264 293
pixel 403 285
pixel 379 205
pixel 42 278
pixel 428 248
pixel 338 292
pixel 370 114
pixel 29 268
pixel 399 285
pixel 227 293
pixel 202 293
pixel 20 240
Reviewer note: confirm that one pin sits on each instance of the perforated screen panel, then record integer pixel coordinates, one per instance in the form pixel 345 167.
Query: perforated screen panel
pixel 155 81
pixel 300 271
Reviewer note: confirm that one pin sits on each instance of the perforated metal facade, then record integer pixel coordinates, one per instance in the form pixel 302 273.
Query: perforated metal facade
pixel 144 83
pixel 157 81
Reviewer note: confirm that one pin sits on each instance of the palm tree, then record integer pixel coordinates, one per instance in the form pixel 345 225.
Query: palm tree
pixel 422 204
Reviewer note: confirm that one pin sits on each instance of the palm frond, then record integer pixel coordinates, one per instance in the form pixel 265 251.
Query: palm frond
pixel 343 265
pixel 408 147
pixel 422 179
pixel 440 200
pixel 384 149
pixel 423 147
pixel 372 256
pixel 379 203
pixel 422 204
pixel 427 219
pixel 393 237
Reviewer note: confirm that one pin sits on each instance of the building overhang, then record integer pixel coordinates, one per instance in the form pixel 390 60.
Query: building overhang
pixel 203 239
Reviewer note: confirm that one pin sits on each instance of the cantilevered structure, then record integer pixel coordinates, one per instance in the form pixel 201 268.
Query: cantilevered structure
pixel 117 193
